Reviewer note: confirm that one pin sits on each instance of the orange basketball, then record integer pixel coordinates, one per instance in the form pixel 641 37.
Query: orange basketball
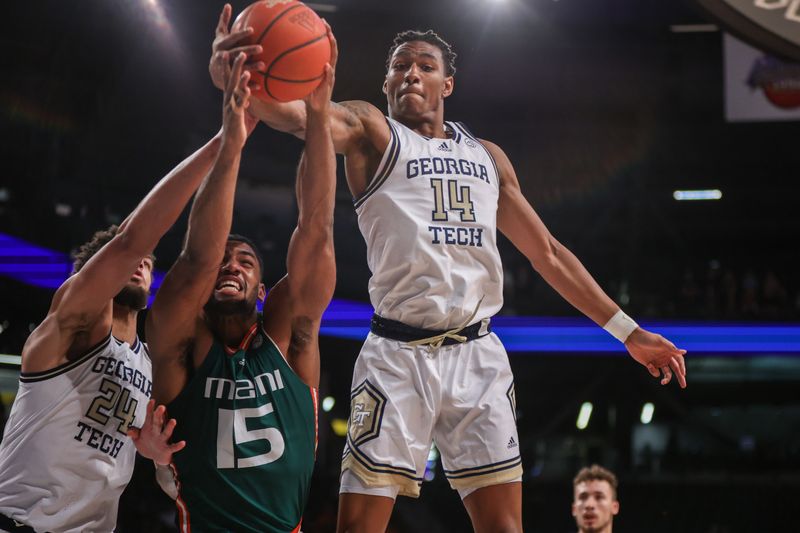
pixel 295 48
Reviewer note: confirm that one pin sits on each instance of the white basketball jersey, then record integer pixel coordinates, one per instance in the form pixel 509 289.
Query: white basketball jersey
pixel 65 457
pixel 429 219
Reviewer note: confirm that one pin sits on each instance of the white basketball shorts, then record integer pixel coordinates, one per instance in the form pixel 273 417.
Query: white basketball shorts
pixel 404 398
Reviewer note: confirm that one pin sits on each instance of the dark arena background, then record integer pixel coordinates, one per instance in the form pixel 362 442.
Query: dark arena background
pixel 614 112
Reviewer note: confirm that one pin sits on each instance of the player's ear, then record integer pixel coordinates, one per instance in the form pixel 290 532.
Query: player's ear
pixel 385 87
pixel 449 83
pixel 262 292
pixel 615 507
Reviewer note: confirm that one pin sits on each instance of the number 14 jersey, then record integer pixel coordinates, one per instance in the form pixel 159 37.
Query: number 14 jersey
pixel 429 220
pixel 250 425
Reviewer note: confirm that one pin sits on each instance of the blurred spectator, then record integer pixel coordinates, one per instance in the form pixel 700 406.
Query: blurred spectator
pixel 775 297
pixel 729 294
pixel 689 295
pixel 749 305
pixel 712 290
pixel 594 503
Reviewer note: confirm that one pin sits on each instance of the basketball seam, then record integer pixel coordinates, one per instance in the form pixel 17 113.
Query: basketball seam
pixel 275 20
pixel 270 76
pixel 267 74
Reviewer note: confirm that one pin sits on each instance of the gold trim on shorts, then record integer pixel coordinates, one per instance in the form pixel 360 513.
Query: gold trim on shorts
pixel 408 487
pixel 474 479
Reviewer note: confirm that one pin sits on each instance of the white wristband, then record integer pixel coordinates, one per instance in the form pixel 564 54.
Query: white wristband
pixel 621 326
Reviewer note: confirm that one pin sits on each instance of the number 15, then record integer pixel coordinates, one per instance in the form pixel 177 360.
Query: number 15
pixel 232 429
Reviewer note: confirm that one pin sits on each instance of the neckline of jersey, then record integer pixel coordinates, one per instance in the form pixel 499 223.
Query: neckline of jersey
pixel 245 343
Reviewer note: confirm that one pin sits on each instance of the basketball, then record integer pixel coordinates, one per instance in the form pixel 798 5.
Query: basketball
pixel 295 48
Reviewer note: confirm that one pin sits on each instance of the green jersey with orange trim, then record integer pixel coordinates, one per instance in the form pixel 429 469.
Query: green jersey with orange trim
pixel 250 425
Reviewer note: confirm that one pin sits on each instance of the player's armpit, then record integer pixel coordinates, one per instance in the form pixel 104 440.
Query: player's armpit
pixel 349 120
pixel 172 326
pixel 303 351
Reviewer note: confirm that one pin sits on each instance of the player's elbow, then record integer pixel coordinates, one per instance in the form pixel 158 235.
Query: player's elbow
pixel 294 121
pixel 133 241
pixel 317 224
pixel 548 259
pixel 200 260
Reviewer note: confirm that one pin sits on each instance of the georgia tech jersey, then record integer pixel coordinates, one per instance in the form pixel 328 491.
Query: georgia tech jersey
pixel 429 219
pixel 66 457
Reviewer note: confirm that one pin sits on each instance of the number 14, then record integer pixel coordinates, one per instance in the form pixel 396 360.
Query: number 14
pixel 458 197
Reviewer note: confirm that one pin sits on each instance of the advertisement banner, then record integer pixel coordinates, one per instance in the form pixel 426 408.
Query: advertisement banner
pixel 759 86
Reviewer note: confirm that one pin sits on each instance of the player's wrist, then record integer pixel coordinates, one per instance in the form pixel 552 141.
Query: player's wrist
pixel 620 326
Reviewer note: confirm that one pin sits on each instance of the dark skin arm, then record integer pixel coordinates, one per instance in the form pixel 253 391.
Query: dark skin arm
pixel 175 323
pixel 80 314
pixel 358 128
pixel 293 310
pixel 565 273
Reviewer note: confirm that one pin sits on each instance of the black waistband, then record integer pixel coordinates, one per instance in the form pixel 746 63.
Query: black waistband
pixel 392 329
pixel 9 524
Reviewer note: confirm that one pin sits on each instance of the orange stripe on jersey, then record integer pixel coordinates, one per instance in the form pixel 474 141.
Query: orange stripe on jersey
pixel 245 344
pixel 315 400
pixel 297 529
pixel 184 524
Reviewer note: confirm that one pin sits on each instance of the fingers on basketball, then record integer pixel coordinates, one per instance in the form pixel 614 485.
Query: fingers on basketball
pixel 296 46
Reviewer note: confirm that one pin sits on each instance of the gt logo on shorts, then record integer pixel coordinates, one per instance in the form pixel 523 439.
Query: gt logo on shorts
pixel 359 413
pixel 366 413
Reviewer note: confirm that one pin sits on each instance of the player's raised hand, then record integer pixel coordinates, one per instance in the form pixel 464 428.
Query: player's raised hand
pixel 237 123
pixel 227 45
pixel 152 439
pixel 660 357
pixel 320 98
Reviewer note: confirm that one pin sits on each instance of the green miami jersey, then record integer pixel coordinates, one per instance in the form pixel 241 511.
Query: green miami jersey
pixel 250 425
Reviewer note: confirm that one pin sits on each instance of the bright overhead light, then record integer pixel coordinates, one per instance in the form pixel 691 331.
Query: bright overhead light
pixel 647 413
pixel 63 210
pixel 328 403
pixel 703 194
pixel 584 415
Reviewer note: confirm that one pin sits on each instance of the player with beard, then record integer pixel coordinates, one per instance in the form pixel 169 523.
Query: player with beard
pixel 83 406
pixel 430 197
pixel 243 387
pixel 595 503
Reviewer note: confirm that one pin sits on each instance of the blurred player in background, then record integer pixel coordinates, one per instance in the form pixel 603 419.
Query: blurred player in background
pixel 595 503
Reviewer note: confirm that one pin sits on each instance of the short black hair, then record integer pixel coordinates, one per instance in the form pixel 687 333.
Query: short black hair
pixel 430 37
pixel 235 237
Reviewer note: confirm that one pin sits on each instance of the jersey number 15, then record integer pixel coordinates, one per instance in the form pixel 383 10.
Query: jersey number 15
pixel 232 429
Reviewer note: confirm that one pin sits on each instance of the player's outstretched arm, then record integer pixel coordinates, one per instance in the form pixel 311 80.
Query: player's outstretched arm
pixel 293 310
pixel 172 321
pixel 82 303
pixel 565 273
pixel 351 122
